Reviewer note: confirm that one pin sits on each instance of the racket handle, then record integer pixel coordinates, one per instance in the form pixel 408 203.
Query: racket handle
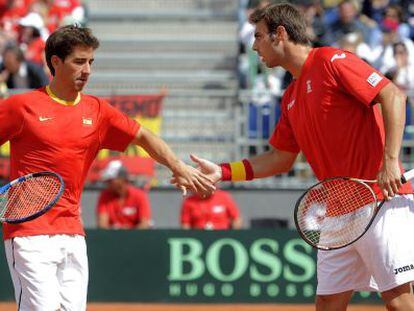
pixel 407 176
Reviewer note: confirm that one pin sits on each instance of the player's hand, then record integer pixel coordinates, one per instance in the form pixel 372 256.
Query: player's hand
pixel 186 177
pixel 389 178
pixel 208 168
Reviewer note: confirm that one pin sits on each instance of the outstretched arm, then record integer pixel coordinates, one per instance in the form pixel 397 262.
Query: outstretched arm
pixel 186 176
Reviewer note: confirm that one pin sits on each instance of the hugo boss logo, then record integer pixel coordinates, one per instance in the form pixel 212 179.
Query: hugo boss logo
pixel 227 267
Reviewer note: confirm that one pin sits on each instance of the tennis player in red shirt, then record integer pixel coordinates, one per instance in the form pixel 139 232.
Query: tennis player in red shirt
pixel 332 113
pixel 58 128
pixel 216 211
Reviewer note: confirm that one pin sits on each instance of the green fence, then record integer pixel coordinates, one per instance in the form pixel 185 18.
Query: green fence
pixel 197 266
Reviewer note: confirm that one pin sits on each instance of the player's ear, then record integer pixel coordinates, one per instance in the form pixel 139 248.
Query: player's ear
pixel 279 33
pixel 274 39
pixel 55 60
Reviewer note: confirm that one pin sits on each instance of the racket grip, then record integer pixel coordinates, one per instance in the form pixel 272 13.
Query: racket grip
pixel 407 176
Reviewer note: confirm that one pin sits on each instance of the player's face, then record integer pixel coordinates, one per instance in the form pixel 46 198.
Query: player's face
pixel 74 71
pixel 264 45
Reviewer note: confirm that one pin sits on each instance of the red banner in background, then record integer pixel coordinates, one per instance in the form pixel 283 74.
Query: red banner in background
pixel 146 109
pixel 148 106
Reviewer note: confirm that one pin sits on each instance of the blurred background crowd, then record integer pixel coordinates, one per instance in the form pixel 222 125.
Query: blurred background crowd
pixel 380 32
pixel 25 26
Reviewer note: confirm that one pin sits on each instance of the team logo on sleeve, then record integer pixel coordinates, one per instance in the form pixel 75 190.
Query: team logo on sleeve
pixel 338 56
pixel 374 79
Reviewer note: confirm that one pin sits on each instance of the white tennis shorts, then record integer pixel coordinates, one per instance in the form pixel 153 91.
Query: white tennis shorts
pixel 381 260
pixel 49 272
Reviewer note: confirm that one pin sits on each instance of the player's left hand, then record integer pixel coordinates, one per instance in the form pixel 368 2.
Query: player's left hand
pixel 389 178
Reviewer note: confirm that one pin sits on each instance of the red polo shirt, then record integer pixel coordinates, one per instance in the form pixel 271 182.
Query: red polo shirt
pixel 216 212
pixel 328 113
pixel 135 207
pixel 46 135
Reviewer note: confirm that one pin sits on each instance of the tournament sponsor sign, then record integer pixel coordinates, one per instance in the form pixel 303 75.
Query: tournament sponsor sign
pixel 269 266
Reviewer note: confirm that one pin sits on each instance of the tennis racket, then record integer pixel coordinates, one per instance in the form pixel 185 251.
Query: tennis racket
pixel 29 196
pixel 336 212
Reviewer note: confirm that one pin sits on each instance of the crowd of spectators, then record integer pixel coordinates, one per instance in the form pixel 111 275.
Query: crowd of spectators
pixel 24 28
pixel 379 31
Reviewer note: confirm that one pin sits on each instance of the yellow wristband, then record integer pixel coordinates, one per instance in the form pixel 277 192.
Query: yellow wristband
pixel 238 172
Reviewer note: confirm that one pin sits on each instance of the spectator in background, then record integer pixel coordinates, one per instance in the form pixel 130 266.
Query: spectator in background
pixel 403 76
pixel 315 27
pixel 31 39
pixel 121 205
pixel 394 15
pixel 375 9
pixel 12 12
pixel 403 72
pixel 391 35
pixel 353 42
pixel 18 73
pixel 217 211
pixel 63 12
pixel 350 20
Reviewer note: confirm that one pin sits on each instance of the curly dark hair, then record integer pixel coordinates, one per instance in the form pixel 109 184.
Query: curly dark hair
pixel 63 41
pixel 286 15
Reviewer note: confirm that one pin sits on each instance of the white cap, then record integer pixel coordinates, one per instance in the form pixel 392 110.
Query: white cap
pixel 32 20
pixel 114 169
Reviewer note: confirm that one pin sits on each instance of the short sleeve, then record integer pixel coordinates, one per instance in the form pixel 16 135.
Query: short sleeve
pixel 356 76
pixel 118 130
pixel 11 118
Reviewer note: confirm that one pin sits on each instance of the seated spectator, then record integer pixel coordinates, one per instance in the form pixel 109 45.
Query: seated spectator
pixel 12 12
pixel 375 9
pixel 18 73
pixel 121 205
pixel 350 20
pixel 31 39
pixel 63 12
pixel 215 212
pixel 403 76
pixel 353 42
pixel 313 13
pixel 394 15
pixel 403 72
pixel 390 37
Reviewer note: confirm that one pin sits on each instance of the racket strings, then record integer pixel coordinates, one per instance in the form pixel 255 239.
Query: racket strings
pixel 29 197
pixel 336 212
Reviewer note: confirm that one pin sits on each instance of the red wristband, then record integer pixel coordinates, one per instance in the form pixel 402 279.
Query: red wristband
pixel 249 169
pixel 225 171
